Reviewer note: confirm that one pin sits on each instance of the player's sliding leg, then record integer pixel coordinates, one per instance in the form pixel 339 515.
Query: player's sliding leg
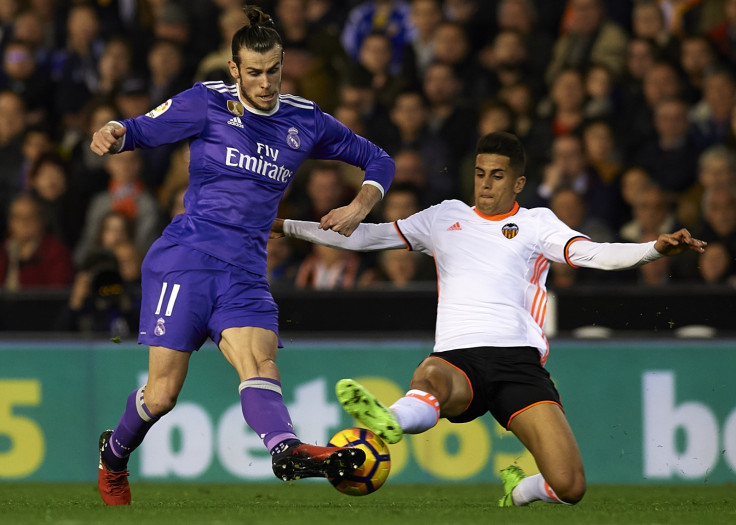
pixel 265 412
pixel 544 431
pixel 368 410
pixel 521 490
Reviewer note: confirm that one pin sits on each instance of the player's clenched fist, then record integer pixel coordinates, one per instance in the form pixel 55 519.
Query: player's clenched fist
pixel 109 138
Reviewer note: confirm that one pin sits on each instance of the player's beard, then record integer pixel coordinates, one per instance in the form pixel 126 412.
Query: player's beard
pixel 255 103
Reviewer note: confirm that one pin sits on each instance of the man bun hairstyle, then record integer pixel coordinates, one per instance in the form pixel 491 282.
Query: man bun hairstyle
pixel 506 144
pixel 258 34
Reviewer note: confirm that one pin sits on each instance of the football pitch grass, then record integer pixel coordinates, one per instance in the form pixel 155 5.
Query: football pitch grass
pixel 317 503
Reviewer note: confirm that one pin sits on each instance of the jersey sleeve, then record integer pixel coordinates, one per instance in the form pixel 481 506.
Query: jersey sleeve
pixel 366 237
pixel 181 117
pixel 555 237
pixel 336 141
pixel 612 256
pixel 416 230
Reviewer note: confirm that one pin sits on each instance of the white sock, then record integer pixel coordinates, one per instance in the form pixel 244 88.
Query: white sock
pixel 417 411
pixel 534 488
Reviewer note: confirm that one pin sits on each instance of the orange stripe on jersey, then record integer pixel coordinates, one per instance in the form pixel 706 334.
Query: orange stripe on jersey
pixel 406 241
pixel 567 248
pixel 501 217
pixel 470 385
pixel 527 408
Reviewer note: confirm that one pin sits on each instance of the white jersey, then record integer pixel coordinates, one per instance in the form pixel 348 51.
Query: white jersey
pixel 491 270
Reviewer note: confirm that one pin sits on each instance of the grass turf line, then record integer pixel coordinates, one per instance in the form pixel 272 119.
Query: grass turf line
pixel 318 504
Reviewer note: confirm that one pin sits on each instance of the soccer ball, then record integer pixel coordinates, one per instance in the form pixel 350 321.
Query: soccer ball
pixel 373 473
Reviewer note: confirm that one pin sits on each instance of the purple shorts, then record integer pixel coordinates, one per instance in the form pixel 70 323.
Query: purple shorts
pixel 189 296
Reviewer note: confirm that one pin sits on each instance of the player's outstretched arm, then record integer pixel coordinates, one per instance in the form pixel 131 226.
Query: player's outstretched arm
pixel 366 237
pixel 109 138
pixel 345 219
pixel 678 242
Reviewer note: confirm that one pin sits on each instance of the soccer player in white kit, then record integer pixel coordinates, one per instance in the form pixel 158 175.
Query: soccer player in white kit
pixel 492 261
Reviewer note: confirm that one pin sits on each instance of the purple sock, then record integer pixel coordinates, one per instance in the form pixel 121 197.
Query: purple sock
pixel 132 428
pixel 265 412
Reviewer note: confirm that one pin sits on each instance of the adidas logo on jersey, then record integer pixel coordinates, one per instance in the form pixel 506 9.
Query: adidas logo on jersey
pixel 454 227
pixel 235 121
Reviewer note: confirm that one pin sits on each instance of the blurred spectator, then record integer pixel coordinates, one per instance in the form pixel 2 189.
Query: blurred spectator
pixel 325 190
pixel 36 142
pixel 410 130
pixel 355 91
pixel 716 169
pixel 114 66
pixel 12 127
pixel 49 184
pixel 87 175
pixel 411 169
pixel 723 35
pixel 716 265
pixel 314 56
pixel 166 71
pixel 448 116
pixel 505 62
pixel 520 99
pixel 452 47
pixel 28 27
pixel 711 116
pixel 282 263
pixel 568 168
pixel 22 75
pixel 671 156
pixel 391 17
pixel 426 16
pixel 8 10
pixel 661 82
pixel 633 181
pixel 475 17
pixel 30 257
pixel 587 38
pixel 522 16
pixel 375 57
pixel 327 268
pixel 561 113
pixel 214 65
pixel 599 91
pixel 105 295
pixel 77 66
pixel 402 200
pixel 640 57
pixel 652 215
pixel 397 269
pixel 113 228
pixel 601 152
pixel 648 22
pixel 127 195
pixel 697 56
pixel 719 217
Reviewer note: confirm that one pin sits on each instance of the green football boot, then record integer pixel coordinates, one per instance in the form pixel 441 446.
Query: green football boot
pixel 368 410
pixel 510 477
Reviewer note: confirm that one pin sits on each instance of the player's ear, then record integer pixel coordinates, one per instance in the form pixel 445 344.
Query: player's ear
pixel 519 184
pixel 233 67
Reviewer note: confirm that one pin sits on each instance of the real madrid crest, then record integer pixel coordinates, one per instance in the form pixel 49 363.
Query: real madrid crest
pixel 235 107
pixel 510 230
pixel 292 138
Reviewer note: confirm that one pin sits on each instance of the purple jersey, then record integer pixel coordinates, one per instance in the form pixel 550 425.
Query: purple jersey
pixel 241 162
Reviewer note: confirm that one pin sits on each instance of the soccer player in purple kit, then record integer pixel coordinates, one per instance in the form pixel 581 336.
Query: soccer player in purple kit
pixel 206 275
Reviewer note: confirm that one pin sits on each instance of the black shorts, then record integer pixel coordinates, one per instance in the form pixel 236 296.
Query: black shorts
pixel 505 381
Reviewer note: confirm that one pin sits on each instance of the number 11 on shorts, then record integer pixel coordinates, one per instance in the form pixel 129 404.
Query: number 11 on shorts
pixel 172 298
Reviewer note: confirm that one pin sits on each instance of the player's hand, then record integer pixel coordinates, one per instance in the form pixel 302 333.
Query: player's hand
pixel 108 138
pixel 678 242
pixel 343 220
pixel 277 229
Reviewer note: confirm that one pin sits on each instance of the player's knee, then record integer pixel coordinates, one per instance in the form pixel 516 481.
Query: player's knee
pixel 160 403
pixel 571 489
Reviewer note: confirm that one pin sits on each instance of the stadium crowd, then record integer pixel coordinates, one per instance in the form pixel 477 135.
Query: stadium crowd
pixel 625 107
